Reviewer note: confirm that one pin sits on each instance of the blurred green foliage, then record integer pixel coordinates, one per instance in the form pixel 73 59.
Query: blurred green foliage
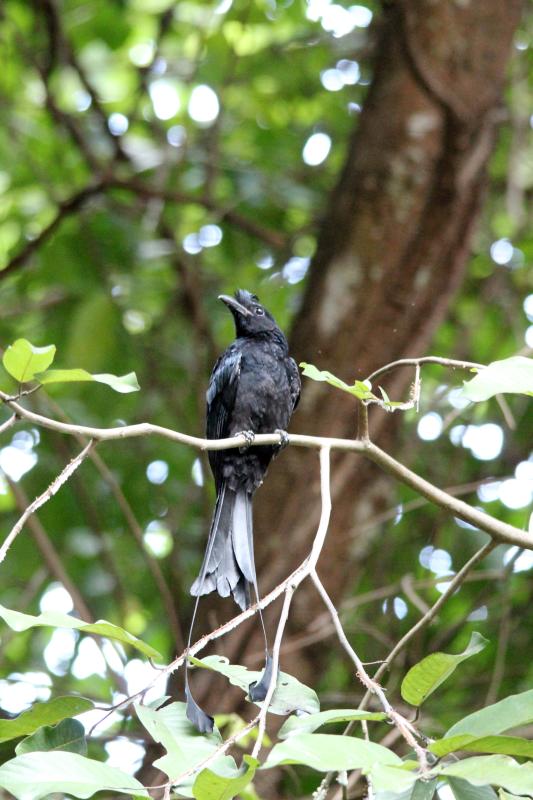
pixel 128 280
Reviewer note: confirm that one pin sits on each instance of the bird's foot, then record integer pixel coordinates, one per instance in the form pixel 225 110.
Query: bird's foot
pixel 249 436
pixel 283 438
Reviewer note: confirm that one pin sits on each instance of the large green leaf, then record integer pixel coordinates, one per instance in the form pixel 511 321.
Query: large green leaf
pixel 23 360
pixel 467 791
pixel 508 745
pixel 428 674
pixel 42 714
pixel 290 694
pixel 496 770
pixel 21 622
pixel 308 723
pixel 501 716
pixel 36 775
pixel 510 376
pixel 210 785
pixel 394 782
pixel 120 383
pixel 326 752
pixel 185 746
pixel 69 734
pixel 358 389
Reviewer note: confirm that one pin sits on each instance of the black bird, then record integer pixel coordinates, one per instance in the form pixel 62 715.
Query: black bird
pixel 254 388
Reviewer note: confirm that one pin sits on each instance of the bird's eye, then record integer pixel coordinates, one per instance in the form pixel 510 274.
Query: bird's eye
pixel 259 311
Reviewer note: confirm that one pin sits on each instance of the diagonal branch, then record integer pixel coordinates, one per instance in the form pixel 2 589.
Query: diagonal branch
pixel 54 487
pixel 404 726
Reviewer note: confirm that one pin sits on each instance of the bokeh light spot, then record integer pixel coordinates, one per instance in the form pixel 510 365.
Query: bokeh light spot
pixel 204 106
pixel 157 471
pixel 316 149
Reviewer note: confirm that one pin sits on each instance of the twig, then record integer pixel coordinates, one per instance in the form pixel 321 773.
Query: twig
pixel 223 748
pixel 498 530
pixel 416 362
pixel 54 487
pixel 456 581
pixel 77 200
pixel 65 209
pixel 248 225
pixel 425 620
pixel 288 586
pixel 261 717
pixel 8 423
pixel 404 726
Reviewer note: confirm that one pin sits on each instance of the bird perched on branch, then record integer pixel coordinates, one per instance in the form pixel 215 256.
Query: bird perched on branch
pixel 254 388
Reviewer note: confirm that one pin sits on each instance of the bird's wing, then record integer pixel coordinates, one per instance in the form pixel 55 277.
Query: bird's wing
pixel 295 384
pixel 221 393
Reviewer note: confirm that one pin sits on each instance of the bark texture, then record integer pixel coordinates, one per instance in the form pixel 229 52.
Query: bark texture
pixel 392 251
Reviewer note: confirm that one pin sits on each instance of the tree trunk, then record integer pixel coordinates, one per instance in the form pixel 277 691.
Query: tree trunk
pixel 392 251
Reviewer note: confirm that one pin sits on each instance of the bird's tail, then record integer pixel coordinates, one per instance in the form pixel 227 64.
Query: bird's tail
pixel 228 565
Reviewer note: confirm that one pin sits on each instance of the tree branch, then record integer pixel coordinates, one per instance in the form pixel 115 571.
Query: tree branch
pixel 498 530
pixel 54 487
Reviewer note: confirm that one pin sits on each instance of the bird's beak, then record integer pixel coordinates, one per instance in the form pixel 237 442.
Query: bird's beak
pixel 234 305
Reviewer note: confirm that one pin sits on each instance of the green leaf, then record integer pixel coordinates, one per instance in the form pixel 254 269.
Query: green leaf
pixel 496 770
pixel 397 781
pixel 42 714
pixel 185 746
pixel 36 775
pixel 428 674
pixel 21 622
pixel 310 722
pixel 501 716
pixel 290 694
pixel 508 745
pixel 69 734
pixel 326 752
pixel 211 785
pixel 510 376
pixel 359 389
pixel 120 383
pixel 466 791
pixel 23 360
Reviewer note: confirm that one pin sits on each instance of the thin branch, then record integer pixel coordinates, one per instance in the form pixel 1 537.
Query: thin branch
pixel 404 726
pixel 498 530
pixel 224 747
pixel 454 584
pixel 288 586
pixel 77 200
pixel 54 487
pixel 8 423
pixel 416 362
pixel 248 225
pixel 458 579
pixel 261 718
pixel 65 209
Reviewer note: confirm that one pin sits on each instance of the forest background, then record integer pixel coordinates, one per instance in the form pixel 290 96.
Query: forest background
pixel 367 170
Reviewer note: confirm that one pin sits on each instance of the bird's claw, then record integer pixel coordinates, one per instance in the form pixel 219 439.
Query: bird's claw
pixel 249 437
pixel 283 438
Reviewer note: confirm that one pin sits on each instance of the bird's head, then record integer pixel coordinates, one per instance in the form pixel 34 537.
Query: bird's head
pixel 251 318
